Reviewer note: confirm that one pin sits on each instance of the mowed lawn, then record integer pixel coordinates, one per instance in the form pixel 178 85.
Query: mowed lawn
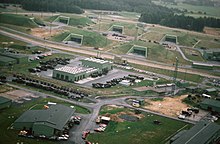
pixel 92 39
pixel 155 52
pixel 185 38
pixel 143 131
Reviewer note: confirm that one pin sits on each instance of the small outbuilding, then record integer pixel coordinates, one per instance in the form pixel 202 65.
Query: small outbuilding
pixel 210 105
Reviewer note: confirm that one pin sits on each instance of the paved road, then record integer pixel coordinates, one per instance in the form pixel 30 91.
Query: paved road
pixel 88 120
pixel 131 59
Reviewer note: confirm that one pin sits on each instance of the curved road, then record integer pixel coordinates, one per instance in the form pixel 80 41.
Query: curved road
pixel 135 60
pixel 88 120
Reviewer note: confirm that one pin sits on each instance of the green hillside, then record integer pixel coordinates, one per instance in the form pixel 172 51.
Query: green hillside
pixel 89 38
pixel 74 20
pixel 18 20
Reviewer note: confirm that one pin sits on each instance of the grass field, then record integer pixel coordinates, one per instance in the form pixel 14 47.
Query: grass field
pixel 153 35
pixel 105 25
pixel 9 136
pixel 40 105
pixel 210 11
pixel 208 44
pixel 19 46
pixel 75 20
pixel 184 38
pixel 141 131
pixel 155 52
pixel 183 76
pixel 189 54
pixel 92 39
pixel 18 20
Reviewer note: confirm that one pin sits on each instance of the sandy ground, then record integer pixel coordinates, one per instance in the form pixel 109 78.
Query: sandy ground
pixel 169 106
pixel 16 94
pixel 44 33
pixel 212 31
pixel 116 118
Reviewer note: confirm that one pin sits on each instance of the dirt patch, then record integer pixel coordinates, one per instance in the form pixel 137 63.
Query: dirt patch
pixel 45 32
pixel 212 31
pixel 117 117
pixel 17 94
pixel 169 106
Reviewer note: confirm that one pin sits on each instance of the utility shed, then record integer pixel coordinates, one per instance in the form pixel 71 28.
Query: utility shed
pixel 102 65
pixel 4 102
pixel 203 132
pixel 45 122
pixel 210 105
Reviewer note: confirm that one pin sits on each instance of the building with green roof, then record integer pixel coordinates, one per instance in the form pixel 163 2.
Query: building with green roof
pixel 8 58
pixel 203 132
pixel 47 122
pixel 210 105
pixel 5 61
pixel 211 91
pixel 5 102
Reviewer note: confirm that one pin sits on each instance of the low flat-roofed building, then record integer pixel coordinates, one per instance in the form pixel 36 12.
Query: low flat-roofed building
pixel 102 65
pixel 5 102
pixel 17 57
pixel 45 122
pixel 211 91
pixel 203 132
pixel 202 66
pixel 210 105
pixel 72 74
pixel 212 54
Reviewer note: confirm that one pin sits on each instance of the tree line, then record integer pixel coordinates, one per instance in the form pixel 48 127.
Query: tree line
pixel 150 13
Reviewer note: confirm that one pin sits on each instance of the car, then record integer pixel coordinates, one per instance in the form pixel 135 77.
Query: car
pixel 99 129
pixel 62 138
pixel 85 134
pixel 182 117
pixel 42 136
pixel 103 125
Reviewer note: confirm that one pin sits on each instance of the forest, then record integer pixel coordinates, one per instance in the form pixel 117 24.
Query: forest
pixel 150 13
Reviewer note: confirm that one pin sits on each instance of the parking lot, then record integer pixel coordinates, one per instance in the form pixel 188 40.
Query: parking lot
pixel 115 73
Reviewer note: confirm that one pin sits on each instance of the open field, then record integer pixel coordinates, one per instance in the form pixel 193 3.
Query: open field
pixel 141 131
pixel 168 106
pixel 17 28
pixel 155 52
pixel 92 39
pixel 105 25
pixel 183 76
pixel 18 20
pixel 193 54
pixel 208 44
pixel 210 11
pixel 75 20
pixel 185 38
